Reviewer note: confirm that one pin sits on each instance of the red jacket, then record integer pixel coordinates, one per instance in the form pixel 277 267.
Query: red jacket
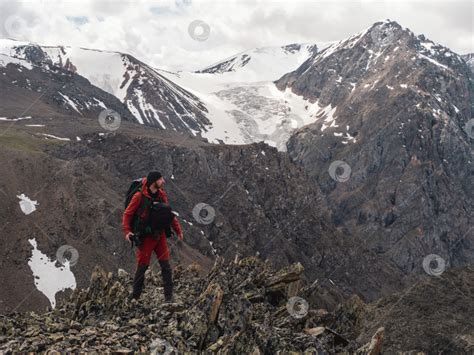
pixel 135 204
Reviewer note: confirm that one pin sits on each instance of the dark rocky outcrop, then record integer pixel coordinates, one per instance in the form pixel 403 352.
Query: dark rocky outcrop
pixel 400 104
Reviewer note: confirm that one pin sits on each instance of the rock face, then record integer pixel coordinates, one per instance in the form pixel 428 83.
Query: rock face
pixel 392 133
pixel 432 308
pixel 469 58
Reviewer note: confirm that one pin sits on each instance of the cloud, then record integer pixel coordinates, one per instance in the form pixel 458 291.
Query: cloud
pixel 157 31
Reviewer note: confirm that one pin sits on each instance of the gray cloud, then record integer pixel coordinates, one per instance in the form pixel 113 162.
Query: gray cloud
pixel 157 31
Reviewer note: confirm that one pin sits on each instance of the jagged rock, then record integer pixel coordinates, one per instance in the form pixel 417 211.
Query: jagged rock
pixel 374 347
pixel 123 274
pixel 227 311
pixel 315 331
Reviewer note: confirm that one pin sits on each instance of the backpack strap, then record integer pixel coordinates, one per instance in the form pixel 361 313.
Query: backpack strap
pixel 139 225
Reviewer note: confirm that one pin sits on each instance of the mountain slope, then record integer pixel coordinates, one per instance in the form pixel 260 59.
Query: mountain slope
pixel 261 203
pixel 40 91
pixel 396 106
pixel 151 98
pixel 469 58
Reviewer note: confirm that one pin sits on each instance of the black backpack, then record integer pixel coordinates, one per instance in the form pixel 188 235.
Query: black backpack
pixel 135 186
pixel 160 218
pixel 160 214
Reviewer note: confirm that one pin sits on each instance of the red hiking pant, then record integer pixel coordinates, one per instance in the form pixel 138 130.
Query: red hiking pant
pixel 149 245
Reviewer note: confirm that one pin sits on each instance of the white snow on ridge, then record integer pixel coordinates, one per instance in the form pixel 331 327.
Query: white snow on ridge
pixel 14 119
pixel 69 102
pixel 103 69
pixel 50 279
pixel 6 59
pixel 264 64
pixel 55 137
pixel 433 61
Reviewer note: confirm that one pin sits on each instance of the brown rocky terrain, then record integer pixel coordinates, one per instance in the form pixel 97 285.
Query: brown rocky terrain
pixel 263 204
pixel 245 307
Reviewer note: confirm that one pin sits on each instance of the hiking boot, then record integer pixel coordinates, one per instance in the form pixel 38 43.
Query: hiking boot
pixel 169 299
pixel 167 276
pixel 138 282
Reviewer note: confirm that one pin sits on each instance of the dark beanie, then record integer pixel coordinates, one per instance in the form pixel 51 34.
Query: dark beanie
pixel 152 177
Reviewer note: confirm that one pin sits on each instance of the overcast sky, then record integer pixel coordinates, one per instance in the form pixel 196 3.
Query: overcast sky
pixel 158 32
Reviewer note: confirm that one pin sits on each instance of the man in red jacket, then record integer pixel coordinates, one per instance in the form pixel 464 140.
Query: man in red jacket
pixel 152 189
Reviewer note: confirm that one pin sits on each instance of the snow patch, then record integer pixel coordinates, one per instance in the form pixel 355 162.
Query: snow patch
pixel 433 61
pixel 70 102
pixel 27 206
pixel 55 137
pixel 14 119
pixel 50 279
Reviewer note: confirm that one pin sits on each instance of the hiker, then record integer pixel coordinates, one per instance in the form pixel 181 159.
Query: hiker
pixel 140 211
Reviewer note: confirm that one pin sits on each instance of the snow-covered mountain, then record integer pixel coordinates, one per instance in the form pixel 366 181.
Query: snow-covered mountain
pixel 243 102
pixel 263 63
pixel 233 101
pixel 150 98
